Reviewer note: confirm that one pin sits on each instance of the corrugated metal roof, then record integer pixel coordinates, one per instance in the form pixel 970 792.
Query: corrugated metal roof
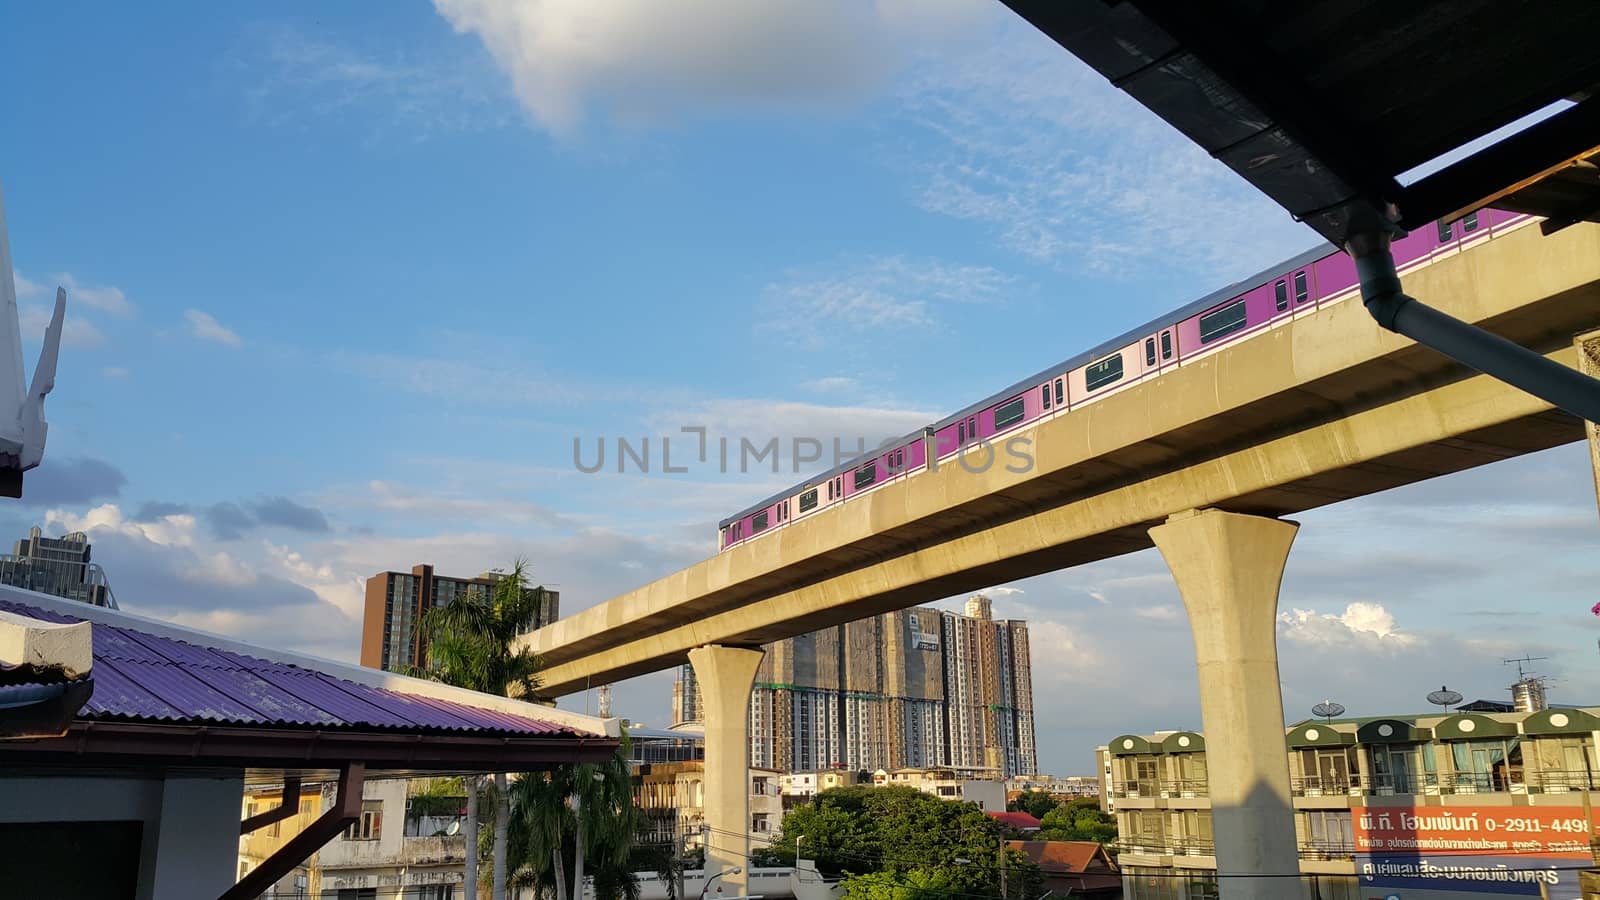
pixel 143 677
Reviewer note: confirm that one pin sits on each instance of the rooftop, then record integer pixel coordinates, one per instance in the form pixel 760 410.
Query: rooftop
pixel 160 690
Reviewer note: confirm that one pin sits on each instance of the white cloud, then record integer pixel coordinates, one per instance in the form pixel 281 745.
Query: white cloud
pixel 75 331
pixel 878 291
pixel 1367 623
pixel 106 298
pixel 1164 613
pixel 1060 166
pixel 203 326
pixel 177 530
pixel 833 384
pixel 642 61
pixel 299 75
pixel 116 372
pixel 26 287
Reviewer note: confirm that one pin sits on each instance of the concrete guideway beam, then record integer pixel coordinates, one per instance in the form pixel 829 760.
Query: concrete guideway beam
pixel 726 676
pixel 1228 568
pixel 1110 523
pixel 1304 377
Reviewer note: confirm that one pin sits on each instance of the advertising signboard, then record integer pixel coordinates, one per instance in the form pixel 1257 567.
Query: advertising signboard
pixel 1509 850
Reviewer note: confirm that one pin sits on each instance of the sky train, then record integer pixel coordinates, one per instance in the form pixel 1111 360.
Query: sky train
pixel 1295 287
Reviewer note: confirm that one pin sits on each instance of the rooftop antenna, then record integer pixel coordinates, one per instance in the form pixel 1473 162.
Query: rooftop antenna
pixel 1327 709
pixel 1444 697
pixel 1523 664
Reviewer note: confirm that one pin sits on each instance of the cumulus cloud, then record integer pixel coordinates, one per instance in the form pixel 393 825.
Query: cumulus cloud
pixel 71 481
pixel 643 62
pixel 103 298
pixel 1365 622
pixel 115 372
pixel 230 520
pixel 76 331
pixel 205 327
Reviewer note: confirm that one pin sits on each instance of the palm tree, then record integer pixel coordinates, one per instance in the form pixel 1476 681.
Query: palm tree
pixel 472 644
pixel 589 806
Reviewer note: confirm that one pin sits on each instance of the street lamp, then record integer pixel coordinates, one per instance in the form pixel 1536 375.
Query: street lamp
pixel 707 886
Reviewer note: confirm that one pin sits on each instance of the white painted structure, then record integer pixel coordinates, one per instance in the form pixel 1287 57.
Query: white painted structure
pixel 22 425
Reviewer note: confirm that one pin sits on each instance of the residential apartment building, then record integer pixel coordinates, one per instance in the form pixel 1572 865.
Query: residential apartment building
pixel 671 800
pixel 1060 789
pixel 799 788
pixel 1441 806
pixel 58 566
pixel 980 786
pixel 914 688
pixel 388 852
pixel 396 601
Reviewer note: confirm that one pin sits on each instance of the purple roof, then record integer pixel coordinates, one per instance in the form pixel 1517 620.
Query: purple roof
pixel 142 677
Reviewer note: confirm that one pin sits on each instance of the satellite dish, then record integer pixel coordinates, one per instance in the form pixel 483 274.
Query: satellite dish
pixel 1327 709
pixel 1444 697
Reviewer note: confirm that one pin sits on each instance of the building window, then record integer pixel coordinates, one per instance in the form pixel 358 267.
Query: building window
pixel 1222 321
pixel 1280 295
pixel 1301 292
pixel 808 500
pixel 369 826
pixel 1106 371
pixel 1008 414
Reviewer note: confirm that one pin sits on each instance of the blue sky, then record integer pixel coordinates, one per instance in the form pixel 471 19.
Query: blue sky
pixel 344 288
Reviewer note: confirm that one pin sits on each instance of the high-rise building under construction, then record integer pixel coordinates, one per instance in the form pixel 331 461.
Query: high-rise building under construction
pixel 915 688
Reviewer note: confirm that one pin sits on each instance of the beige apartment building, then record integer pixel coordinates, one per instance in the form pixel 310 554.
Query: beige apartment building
pixel 1445 806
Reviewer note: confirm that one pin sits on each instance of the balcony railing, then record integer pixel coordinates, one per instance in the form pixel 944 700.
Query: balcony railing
pixel 1326 786
pixel 1561 782
pixel 1327 850
pixel 1193 846
pixel 1185 787
pixel 1147 787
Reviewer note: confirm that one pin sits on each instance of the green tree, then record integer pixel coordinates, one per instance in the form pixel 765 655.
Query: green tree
pixel 554 812
pixel 1080 819
pixel 908 842
pixel 470 642
pixel 1035 803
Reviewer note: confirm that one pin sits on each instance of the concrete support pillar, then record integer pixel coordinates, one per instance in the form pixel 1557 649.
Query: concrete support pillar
pixel 191 852
pixel 726 675
pixel 1228 568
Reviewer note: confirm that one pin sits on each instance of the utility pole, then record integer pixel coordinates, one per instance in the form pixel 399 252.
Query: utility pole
pixel 1003 862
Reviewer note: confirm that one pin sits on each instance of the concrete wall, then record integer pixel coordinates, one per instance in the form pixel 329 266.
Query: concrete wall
pixel 190 836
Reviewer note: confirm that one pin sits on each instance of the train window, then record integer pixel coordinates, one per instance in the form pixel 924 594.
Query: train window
pixel 1046 393
pixel 758 521
pixel 783 511
pixel 961 434
pixel 838 486
pixel 1280 294
pixel 1166 345
pixel 1223 321
pixel 866 475
pixel 1470 223
pixel 1444 231
pixel 1008 414
pixel 1301 291
pixel 1106 371
pixel 808 500
pixel 1149 351
pixel 1059 394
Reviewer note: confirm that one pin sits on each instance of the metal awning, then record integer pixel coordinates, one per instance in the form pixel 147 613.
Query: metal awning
pixel 1330 108
pixel 1325 106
